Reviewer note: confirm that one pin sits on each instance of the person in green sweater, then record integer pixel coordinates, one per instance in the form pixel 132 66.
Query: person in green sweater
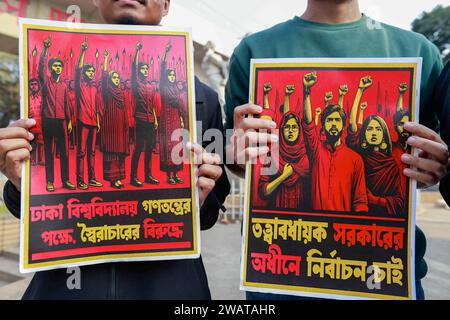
pixel 336 29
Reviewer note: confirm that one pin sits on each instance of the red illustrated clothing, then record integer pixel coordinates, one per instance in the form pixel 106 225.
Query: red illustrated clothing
pixel 382 178
pixel 337 177
pixel 397 151
pixel 35 103
pixel 172 112
pixel 290 193
pixel 55 95
pixel 73 106
pixel 258 200
pixel 170 121
pixel 157 103
pixel 114 134
pixel 130 106
pixel 86 93
pixel 143 92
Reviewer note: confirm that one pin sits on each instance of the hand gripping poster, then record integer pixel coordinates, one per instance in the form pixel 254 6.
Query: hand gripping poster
pixel 329 212
pixel 109 177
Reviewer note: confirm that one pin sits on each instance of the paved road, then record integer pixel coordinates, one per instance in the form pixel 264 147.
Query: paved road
pixel 221 249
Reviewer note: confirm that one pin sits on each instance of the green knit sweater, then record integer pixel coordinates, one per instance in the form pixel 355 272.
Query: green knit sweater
pixel 365 38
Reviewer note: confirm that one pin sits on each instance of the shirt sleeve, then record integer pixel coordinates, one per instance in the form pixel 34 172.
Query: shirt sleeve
pixel 311 137
pixel 78 79
pixel 303 169
pixel 134 79
pixel 69 107
pixel 42 69
pixel 209 212
pixel 441 99
pixel 236 91
pixel 157 103
pixel 11 197
pixel 352 138
pixel 99 102
pixel 432 68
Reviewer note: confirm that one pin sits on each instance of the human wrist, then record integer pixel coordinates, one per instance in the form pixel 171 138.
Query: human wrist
pixel 307 90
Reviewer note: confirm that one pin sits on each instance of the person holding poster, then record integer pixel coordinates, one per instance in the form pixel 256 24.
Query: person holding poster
pixel 88 124
pixel 115 133
pixel 170 279
pixel 341 28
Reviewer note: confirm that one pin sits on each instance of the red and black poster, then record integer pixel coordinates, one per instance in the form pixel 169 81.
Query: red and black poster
pixel 109 177
pixel 329 212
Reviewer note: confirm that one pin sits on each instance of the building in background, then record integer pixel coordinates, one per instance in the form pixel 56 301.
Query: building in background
pixel 10 10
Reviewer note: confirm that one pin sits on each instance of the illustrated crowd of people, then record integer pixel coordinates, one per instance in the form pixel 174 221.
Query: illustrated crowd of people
pixel 81 111
pixel 355 168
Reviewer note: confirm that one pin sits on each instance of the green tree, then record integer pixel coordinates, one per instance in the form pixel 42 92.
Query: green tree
pixel 435 25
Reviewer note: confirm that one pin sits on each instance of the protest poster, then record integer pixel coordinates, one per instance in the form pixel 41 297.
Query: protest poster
pixel 109 178
pixel 329 212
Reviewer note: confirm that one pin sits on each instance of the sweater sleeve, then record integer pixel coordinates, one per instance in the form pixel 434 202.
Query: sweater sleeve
pixel 432 67
pixel 441 99
pixel 236 91
pixel 209 212
pixel 11 197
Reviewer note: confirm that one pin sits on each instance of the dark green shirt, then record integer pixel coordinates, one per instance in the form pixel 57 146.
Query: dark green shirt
pixel 365 38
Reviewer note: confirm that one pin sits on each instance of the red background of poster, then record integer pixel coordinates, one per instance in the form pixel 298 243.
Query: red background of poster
pixel 153 46
pixel 384 92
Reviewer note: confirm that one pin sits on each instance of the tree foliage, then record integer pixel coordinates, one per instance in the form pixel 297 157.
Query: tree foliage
pixel 435 25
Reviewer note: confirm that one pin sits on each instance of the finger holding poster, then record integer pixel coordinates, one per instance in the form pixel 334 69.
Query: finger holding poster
pixel 329 212
pixel 115 106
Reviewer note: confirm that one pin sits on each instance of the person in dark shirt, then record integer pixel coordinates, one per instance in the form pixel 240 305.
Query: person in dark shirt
pixel 174 279
pixel 441 101
pixel 115 141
